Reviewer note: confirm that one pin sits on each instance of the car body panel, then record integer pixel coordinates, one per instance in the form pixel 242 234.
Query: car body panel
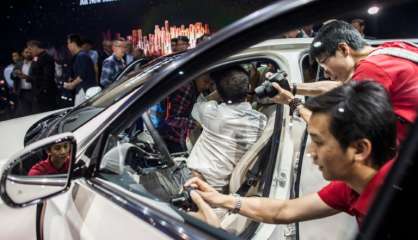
pixel 14 132
pixel 82 214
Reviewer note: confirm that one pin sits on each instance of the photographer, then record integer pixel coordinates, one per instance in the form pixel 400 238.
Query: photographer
pixel 344 55
pixel 353 141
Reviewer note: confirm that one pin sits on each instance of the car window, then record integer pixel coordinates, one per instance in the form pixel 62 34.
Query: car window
pixel 152 157
pixel 132 79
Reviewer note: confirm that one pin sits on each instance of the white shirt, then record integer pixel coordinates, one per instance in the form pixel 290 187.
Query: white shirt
pixel 229 130
pixel 8 75
pixel 25 70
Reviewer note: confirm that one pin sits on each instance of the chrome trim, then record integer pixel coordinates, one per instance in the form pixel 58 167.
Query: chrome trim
pixel 58 182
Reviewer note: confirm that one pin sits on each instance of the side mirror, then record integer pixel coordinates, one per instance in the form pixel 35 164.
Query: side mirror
pixel 41 170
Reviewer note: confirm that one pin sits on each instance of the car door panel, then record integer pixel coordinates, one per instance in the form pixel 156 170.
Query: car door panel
pixel 84 214
pixel 18 223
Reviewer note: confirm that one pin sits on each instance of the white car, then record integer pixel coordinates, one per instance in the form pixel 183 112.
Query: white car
pixel 122 183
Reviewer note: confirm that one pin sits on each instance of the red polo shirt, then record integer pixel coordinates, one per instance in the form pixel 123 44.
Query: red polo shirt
pixel 340 196
pixel 45 167
pixel 399 76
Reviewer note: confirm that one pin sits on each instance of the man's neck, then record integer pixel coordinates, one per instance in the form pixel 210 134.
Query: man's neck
pixel 57 164
pixel 360 178
pixel 118 58
pixel 77 50
pixel 362 53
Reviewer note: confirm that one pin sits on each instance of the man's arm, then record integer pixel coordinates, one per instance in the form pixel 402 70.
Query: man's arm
pixel 265 209
pixel 281 211
pixel 105 78
pixel 316 88
pixel 73 84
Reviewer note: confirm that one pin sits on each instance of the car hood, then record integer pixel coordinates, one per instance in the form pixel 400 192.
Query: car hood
pixel 13 134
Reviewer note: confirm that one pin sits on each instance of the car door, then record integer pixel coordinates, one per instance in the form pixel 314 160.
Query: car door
pixel 227 42
pixel 392 214
pixel 268 22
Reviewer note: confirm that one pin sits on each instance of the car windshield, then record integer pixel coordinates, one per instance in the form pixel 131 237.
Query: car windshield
pixel 125 85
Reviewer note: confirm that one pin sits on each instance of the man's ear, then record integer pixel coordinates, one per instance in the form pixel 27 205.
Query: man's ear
pixel 362 151
pixel 344 48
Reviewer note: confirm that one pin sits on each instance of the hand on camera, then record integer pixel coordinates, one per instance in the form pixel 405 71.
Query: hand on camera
pixel 283 96
pixel 204 212
pixel 208 193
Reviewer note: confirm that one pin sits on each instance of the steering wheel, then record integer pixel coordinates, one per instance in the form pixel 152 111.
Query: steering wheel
pixel 162 147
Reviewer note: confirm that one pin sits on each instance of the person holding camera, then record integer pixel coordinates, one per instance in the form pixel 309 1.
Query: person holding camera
pixel 353 134
pixel 345 56
pixel 229 128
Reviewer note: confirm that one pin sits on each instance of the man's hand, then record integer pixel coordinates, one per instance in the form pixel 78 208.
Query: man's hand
pixel 205 212
pixel 68 85
pixel 73 84
pixel 283 97
pixel 208 193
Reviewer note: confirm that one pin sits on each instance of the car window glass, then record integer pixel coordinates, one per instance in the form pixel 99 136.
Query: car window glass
pixel 136 157
pixel 131 80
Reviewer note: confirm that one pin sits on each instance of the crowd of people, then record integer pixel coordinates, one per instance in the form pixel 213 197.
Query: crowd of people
pixel 42 79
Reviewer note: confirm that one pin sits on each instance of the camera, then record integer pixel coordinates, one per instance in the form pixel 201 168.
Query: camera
pixel 184 201
pixel 266 89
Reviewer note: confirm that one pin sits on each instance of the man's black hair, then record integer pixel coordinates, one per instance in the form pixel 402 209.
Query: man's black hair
pixel 330 35
pixel 359 21
pixel 183 38
pixel 232 83
pixel 75 38
pixel 87 41
pixel 360 110
pixel 35 43
pixel 174 40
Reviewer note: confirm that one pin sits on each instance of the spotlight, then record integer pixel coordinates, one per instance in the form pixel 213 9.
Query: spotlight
pixel 373 10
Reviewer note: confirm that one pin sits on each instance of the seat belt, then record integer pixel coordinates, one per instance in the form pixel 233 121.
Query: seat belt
pixel 255 172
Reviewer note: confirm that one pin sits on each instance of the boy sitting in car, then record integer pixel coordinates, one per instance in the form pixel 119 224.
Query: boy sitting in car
pixel 229 128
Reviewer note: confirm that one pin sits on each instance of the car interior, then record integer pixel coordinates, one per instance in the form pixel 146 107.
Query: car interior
pixel 137 157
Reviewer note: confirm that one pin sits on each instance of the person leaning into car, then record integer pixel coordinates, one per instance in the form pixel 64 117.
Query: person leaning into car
pixel 353 132
pixel 344 55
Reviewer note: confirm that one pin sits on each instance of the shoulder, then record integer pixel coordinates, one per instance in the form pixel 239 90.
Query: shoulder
pixel 337 195
pixel 39 168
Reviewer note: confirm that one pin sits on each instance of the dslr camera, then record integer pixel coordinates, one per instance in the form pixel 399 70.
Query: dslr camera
pixel 266 89
pixel 184 201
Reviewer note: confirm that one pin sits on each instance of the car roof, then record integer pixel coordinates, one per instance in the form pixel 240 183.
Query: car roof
pixel 286 43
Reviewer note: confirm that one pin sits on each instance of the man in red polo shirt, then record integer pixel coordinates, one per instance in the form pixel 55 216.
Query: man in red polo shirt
pixel 56 163
pixel 353 132
pixel 345 56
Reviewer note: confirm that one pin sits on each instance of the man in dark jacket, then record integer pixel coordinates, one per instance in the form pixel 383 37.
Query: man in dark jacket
pixel 43 72
pixel 83 75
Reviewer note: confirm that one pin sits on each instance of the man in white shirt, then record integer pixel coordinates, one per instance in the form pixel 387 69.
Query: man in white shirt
pixel 229 128
pixel 22 84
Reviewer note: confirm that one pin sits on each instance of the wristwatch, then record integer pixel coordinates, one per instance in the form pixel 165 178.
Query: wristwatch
pixel 238 203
